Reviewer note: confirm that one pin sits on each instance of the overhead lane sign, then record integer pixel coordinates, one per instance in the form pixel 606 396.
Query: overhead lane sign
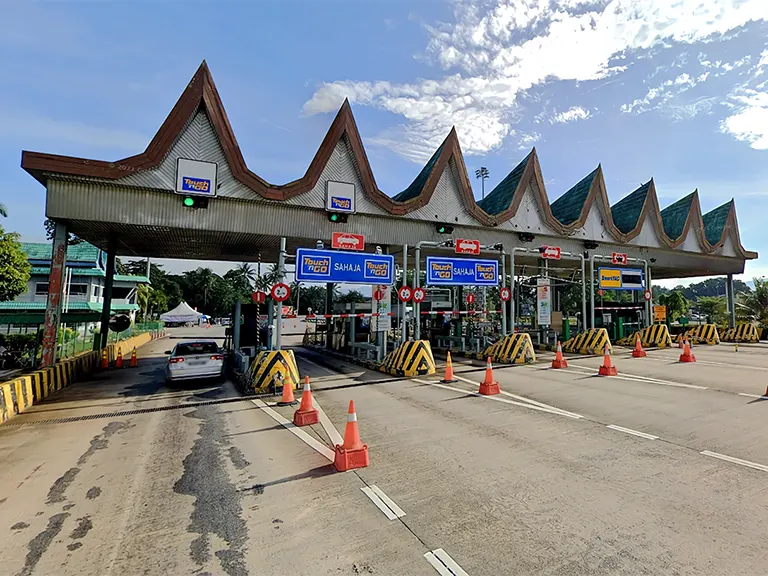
pixel 620 279
pixel 348 267
pixel 461 272
pixel 466 246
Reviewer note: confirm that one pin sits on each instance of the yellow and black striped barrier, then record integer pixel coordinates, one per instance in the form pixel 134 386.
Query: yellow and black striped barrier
pixel 19 394
pixel 702 334
pixel 656 336
pixel 591 341
pixel 272 366
pixel 744 332
pixel 411 358
pixel 512 349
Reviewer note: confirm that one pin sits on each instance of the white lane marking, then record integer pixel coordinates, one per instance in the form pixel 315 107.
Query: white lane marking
pixel 495 398
pixel 739 461
pixel 530 401
pixel 327 425
pixel 388 501
pixel 379 503
pixel 644 379
pixel 633 432
pixel 752 395
pixel 298 432
pixel 444 564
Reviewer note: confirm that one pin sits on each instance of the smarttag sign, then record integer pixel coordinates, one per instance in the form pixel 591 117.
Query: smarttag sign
pixel 349 267
pixel 620 279
pixel 340 197
pixel 196 178
pixel 461 272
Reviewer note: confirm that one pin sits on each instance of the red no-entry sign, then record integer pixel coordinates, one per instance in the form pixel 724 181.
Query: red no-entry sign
pixel 280 292
pixel 419 294
pixel 470 298
pixel 378 294
pixel 405 293
pixel 505 294
pixel 259 297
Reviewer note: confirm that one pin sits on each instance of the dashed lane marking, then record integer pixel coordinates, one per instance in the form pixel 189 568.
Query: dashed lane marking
pixel 738 461
pixel 383 502
pixel 528 400
pixel 296 431
pixel 444 564
pixel 633 432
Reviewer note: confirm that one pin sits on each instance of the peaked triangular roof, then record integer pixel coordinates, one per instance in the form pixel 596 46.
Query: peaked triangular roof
pixel 714 222
pixel 674 216
pixel 421 179
pixel 182 313
pixel 500 198
pixel 626 212
pixel 567 209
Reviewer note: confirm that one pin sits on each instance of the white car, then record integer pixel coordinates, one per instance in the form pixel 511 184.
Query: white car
pixel 194 360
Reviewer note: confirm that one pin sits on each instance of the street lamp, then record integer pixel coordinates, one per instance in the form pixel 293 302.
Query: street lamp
pixel 482 175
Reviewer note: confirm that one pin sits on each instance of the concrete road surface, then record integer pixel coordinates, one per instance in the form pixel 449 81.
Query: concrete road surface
pixel 661 470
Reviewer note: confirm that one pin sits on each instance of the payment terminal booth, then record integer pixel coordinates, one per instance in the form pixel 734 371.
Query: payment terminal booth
pixel 620 305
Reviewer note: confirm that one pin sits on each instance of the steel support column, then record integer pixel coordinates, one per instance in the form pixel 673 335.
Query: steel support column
pixel 731 303
pixel 503 284
pixel 109 281
pixel 417 305
pixel 53 303
pixel 403 305
pixel 236 327
pixel 279 315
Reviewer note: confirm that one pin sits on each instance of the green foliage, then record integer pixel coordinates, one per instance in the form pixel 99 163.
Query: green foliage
pixel 3 211
pixel 677 305
pixel 754 304
pixel 66 335
pixel 711 287
pixel 715 308
pixel 352 296
pixel 14 266
pixel 18 341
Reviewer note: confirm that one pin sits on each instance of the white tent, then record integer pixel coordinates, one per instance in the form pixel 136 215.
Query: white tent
pixel 182 313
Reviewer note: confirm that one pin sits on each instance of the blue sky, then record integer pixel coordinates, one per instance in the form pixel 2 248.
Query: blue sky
pixel 677 91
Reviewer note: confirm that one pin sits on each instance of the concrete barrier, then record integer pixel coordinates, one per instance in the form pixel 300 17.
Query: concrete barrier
pixel 23 391
pixel 744 332
pixel 270 366
pixel 412 358
pixel 702 334
pixel 656 336
pixel 512 349
pixel 591 341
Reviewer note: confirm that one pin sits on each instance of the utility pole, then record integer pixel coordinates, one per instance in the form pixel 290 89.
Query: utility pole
pixel 482 174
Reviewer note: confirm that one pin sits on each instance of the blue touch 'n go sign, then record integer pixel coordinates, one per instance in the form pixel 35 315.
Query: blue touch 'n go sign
pixel 351 268
pixel 461 272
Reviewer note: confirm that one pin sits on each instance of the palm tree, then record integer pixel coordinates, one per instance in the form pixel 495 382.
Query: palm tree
pixel 755 303
pixel 3 211
pixel 246 271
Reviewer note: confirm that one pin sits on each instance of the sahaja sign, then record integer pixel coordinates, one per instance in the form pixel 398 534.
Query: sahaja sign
pixel 347 267
pixel 461 272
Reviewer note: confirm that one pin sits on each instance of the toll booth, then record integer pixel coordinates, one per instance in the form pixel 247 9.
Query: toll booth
pixel 620 319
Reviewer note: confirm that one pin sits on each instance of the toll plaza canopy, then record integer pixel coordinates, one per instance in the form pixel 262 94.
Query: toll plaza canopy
pixel 131 205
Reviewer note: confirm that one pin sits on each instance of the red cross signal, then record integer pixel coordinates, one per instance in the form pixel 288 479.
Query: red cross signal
pixel 619 258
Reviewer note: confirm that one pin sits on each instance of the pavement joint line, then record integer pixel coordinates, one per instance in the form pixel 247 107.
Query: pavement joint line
pixel 633 432
pixel 733 460
pixel 528 400
pixel 642 379
pixel 752 395
pixel 383 502
pixel 296 431
pixel 440 560
pixel 494 398
pixel 710 363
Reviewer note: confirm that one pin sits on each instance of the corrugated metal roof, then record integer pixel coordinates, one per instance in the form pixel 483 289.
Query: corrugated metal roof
pixel 626 211
pixel 675 215
pixel 41 271
pixel 714 222
pixel 500 198
pixel 568 207
pixel 83 252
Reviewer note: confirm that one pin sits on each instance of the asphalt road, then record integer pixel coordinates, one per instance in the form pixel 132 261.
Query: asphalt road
pixel 661 470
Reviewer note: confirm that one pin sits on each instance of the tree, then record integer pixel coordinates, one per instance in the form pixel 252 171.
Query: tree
pixel 714 308
pixel 246 271
pixel 352 296
pixel 3 211
pixel 50 230
pixel 755 302
pixel 14 266
pixel 677 304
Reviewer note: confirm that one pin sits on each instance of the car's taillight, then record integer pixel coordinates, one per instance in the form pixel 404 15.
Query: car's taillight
pixel 175 360
pixel 217 357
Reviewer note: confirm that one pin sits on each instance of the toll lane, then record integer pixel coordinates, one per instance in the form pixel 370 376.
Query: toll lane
pixel 507 488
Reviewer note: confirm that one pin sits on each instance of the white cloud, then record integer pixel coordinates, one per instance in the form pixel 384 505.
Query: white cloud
pixel 572 114
pixel 750 121
pixel 499 49
pixel 662 94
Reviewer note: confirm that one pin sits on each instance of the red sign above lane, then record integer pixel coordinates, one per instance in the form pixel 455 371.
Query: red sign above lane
pixel 259 297
pixel 347 241
pixel 378 294
pixel 550 252
pixel 465 246
pixel 470 298
pixel 619 258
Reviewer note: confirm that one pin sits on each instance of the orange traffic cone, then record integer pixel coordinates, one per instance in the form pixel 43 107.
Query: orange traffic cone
pixel 352 453
pixel 687 355
pixel 104 360
pixel 449 378
pixel 607 369
pixel 559 361
pixel 134 361
pixel 287 399
pixel 306 414
pixel 638 352
pixel 489 386
pixel 766 392
pixel 119 361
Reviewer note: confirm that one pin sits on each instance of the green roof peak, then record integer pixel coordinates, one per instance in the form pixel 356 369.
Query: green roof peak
pixel 674 216
pixel 714 222
pixel 500 198
pixel 568 207
pixel 420 181
pixel 626 212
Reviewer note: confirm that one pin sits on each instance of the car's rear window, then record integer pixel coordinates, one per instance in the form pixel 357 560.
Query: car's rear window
pixel 196 348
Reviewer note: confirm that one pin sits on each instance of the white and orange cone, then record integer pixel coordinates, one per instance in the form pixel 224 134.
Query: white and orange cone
pixel 352 453
pixel 306 414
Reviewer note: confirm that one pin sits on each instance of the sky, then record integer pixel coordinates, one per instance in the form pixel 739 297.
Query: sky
pixel 676 90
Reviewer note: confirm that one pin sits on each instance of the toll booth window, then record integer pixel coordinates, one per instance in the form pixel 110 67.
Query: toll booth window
pixel 41 288
pixel 632 279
